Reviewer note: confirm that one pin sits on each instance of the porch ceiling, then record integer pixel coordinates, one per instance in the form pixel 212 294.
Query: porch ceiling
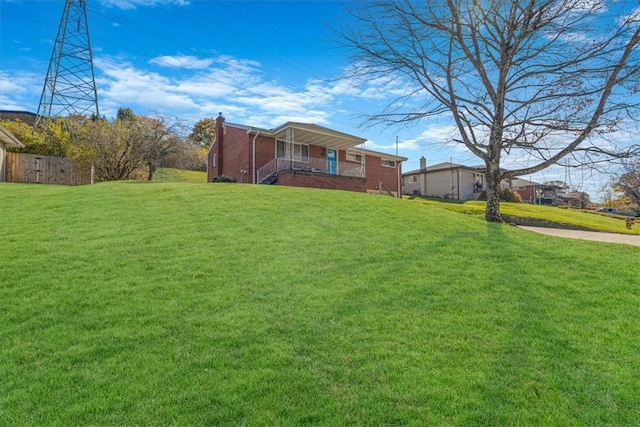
pixel 317 135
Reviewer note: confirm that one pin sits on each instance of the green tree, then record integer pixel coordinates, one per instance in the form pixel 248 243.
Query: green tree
pixel 530 79
pixel 204 132
pixel 125 114
pixel 52 140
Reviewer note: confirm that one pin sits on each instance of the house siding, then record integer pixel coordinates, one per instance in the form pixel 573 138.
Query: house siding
pixel 457 183
pixel 235 154
pixel 314 180
pixel 3 153
pixel 376 173
pixel 413 187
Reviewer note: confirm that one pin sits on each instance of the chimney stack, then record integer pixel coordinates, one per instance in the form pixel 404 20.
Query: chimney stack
pixel 423 163
pixel 220 142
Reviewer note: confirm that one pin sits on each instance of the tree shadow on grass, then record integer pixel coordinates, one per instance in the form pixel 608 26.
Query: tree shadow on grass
pixel 537 372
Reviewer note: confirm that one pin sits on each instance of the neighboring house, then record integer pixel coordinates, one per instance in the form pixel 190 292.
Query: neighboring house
pixel 13 115
pixel 302 155
pixel 448 180
pixel 529 191
pixel 574 199
pixel 7 139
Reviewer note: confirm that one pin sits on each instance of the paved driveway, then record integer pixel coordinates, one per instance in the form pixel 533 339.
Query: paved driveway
pixel 587 235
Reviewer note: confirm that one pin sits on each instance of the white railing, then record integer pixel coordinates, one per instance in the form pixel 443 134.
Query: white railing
pixel 267 170
pixel 312 165
pixel 348 169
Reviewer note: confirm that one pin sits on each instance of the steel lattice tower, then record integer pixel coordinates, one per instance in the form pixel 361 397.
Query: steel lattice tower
pixel 70 85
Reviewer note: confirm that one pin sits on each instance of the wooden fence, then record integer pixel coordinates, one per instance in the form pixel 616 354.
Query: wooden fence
pixel 33 168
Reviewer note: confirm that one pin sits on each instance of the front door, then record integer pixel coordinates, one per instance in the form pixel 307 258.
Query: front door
pixel 332 161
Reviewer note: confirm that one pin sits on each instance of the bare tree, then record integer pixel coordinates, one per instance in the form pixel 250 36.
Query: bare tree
pixel 113 149
pixel 162 139
pixel 536 80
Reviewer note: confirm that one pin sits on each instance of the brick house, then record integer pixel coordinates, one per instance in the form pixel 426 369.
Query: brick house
pixel 301 155
pixel 529 191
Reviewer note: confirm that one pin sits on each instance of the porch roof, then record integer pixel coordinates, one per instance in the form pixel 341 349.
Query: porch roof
pixel 317 135
pixel 8 139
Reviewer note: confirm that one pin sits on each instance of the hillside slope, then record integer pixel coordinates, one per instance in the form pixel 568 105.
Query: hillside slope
pixel 151 303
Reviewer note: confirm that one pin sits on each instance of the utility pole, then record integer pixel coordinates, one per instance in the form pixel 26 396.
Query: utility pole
pixel 70 85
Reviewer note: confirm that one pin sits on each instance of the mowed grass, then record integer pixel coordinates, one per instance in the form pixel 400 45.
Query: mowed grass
pixel 229 304
pixel 589 219
pixel 179 175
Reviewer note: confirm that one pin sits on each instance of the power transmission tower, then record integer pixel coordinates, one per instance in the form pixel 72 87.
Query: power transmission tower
pixel 70 85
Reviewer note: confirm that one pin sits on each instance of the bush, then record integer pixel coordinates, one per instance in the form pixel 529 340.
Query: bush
pixel 222 178
pixel 508 195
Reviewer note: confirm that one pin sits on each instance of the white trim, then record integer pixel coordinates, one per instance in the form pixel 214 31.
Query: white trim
pixel 384 159
pixel 355 156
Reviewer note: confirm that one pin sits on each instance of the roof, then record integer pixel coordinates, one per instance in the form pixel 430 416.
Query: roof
pixel 443 166
pixel 9 139
pixel 519 182
pixel 378 154
pixel 321 136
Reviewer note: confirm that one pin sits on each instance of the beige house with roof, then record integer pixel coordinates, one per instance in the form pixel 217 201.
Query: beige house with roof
pixel 446 180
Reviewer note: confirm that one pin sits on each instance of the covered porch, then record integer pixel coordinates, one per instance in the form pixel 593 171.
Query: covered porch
pixel 313 149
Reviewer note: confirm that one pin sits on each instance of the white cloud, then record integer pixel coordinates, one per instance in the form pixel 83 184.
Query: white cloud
pixel 20 90
pixel 236 87
pixel 632 18
pixel 133 4
pixel 181 61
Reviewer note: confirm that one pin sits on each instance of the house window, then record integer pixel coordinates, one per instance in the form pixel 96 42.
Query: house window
pixel 300 151
pixel 388 163
pixel 213 160
pixel 413 179
pixel 354 157
pixel 478 181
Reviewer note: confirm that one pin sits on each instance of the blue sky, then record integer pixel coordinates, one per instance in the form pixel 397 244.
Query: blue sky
pixel 260 63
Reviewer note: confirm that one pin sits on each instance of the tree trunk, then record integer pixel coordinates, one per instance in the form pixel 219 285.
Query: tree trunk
pixel 152 170
pixel 492 212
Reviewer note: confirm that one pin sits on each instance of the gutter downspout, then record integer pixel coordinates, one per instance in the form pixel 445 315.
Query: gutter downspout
pixel 253 180
pixel 399 192
pixel 424 181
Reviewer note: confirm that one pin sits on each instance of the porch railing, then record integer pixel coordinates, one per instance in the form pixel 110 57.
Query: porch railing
pixel 312 165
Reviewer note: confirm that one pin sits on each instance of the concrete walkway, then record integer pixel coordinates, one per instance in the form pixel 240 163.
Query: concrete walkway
pixel 628 239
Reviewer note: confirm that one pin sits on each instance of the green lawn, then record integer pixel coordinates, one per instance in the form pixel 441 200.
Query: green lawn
pixel 588 219
pixel 179 175
pixel 226 304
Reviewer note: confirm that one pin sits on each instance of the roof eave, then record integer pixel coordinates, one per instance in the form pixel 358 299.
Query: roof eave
pixel 9 139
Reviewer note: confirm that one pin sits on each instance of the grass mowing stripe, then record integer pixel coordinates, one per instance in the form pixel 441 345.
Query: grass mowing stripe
pixel 146 303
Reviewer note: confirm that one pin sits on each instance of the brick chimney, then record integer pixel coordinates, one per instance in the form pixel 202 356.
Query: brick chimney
pixel 220 143
pixel 423 163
